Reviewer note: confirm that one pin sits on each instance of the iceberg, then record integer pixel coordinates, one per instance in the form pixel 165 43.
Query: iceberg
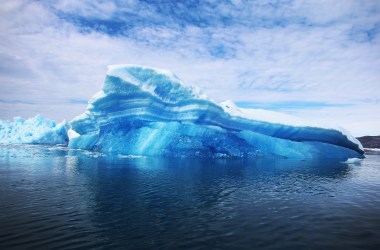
pixel 145 111
pixel 36 130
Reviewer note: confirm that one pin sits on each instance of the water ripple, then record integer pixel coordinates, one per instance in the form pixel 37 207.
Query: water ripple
pixel 59 199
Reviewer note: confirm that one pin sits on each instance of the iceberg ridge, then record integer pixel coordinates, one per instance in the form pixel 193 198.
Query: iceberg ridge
pixel 151 112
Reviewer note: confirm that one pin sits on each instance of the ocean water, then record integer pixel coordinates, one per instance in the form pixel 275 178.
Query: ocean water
pixel 54 198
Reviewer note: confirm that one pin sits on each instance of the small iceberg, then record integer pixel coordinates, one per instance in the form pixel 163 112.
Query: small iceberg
pixel 36 130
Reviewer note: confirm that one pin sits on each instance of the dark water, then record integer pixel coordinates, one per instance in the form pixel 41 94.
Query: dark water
pixel 51 198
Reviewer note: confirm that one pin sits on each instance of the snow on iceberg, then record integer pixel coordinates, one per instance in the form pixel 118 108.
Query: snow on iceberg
pixel 151 112
pixel 354 161
pixel 35 130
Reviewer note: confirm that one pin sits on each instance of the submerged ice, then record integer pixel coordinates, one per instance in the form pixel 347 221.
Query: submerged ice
pixel 151 112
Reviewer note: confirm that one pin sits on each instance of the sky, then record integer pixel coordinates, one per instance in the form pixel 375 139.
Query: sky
pixel 316 59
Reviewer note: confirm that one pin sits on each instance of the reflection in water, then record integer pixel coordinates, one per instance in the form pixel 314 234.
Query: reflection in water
pixel 55 198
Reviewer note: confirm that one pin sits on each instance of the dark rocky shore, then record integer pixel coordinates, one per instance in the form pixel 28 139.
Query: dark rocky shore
pixel 370 141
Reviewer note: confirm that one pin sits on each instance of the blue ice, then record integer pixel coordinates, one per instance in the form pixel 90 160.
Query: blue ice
pixel 151 112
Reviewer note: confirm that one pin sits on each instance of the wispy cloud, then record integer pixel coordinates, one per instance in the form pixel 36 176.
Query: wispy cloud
pixel 258 52
pixel 291 105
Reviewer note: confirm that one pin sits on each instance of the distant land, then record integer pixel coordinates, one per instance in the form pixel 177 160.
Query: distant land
pixel 370 141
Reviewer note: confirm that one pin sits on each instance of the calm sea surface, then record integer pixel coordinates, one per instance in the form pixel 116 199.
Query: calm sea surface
pixel 52 198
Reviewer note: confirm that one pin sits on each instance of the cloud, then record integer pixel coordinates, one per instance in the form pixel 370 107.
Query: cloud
pixel 54 53
pixel 102 10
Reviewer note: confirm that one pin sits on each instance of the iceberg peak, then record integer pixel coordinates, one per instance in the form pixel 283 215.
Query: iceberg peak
pixel 158 82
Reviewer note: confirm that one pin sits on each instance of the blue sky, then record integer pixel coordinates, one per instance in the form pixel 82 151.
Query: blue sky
pixel 315 59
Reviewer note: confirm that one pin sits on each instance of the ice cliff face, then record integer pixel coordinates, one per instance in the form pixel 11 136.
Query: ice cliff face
pixel 146 111
pixel 35 130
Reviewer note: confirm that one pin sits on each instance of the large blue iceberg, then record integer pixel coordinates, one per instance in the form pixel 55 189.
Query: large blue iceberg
pixel 151 112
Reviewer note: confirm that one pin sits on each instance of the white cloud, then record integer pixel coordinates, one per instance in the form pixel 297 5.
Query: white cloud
pixel 47 59
pixel 87 8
